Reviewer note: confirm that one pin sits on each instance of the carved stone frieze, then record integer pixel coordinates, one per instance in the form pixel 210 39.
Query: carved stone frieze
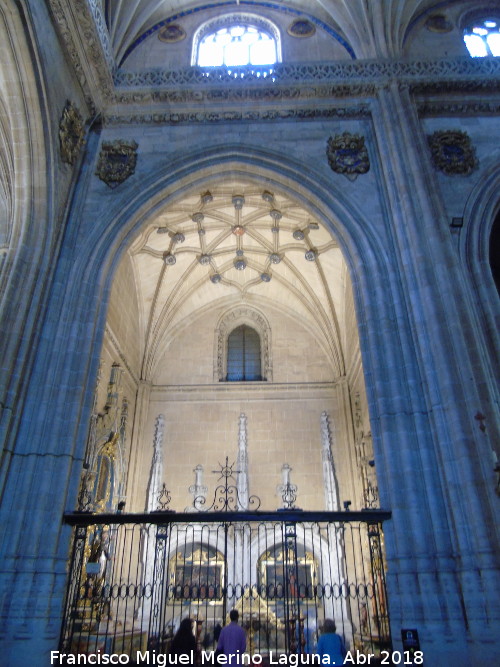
pixel 251 94
pixel 177 118
pixel 80 24
pixel 347 155
pixel 117 161
pixel 71 133
pixel 452 152
pixel 458 107
pixel 453 71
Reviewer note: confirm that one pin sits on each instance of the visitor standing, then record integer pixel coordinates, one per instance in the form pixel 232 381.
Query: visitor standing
pixel 331 644
pixel 184 641
pixel 232 640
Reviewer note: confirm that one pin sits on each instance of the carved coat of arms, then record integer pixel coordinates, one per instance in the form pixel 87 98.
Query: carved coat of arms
pixel 117 161
pixel 71 133
pixel 452 152
pixel 347 155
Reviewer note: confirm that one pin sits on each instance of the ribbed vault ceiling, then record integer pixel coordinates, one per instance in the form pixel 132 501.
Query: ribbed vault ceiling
pixel 237 243
pixel 374 28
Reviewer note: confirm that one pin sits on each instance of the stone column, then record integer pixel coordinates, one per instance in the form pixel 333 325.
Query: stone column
pixel 436 465
pixel 135 489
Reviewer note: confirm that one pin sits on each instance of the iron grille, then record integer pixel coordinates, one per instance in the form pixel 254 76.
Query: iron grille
pixel 133 578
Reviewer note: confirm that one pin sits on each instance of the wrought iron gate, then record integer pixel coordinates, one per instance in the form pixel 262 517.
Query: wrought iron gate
pixel 134 577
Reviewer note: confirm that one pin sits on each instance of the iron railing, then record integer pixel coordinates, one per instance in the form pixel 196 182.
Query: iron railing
pixel 133 577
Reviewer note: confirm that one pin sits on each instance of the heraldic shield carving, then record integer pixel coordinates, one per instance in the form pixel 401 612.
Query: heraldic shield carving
pixel 71 133
pixel 117 161
pixel 452 152
pixel 347 155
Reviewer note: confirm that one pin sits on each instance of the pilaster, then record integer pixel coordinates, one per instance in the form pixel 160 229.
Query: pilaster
pixel 446 581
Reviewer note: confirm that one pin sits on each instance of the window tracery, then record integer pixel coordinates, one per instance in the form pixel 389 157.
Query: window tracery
pixel 236 40
pixel 227 324
pixel 482 37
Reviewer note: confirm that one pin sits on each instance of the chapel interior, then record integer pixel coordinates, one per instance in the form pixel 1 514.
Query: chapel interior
pixel 249 314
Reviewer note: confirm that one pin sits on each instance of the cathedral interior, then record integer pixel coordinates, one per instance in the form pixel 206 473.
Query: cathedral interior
pixel 249 325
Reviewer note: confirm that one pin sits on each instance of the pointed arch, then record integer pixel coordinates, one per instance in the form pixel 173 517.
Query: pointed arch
pixel 481 211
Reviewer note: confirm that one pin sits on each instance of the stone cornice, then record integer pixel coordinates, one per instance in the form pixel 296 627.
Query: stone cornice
pixel 290 91
pixel 296 92
pixel 248 390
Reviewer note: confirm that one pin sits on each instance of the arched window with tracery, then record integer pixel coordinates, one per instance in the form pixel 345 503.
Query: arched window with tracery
pixel 482 36
pixel 236 40
pixel 243 355
pixel 250 353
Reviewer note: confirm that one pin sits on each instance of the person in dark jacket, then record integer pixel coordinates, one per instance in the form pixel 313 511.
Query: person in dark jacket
pixel 184 641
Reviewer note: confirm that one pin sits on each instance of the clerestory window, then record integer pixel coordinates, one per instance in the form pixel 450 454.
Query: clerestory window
pixel 243 355
pixel 236 40
pixel 482 37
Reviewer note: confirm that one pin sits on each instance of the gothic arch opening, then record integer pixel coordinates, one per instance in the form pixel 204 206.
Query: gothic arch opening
pixel 236 253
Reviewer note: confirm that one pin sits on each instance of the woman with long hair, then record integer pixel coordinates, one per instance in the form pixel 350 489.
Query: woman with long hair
pixel 184 641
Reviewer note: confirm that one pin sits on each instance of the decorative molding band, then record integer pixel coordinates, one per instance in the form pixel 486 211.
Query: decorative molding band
pixel 252 115
pixel 458 107
pixel 237 94
pixel 81 23
pixel 377 71
pixel 95 7
pixel 289 83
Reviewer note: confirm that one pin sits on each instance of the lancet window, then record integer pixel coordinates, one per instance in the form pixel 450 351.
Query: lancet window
pixel 243 355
